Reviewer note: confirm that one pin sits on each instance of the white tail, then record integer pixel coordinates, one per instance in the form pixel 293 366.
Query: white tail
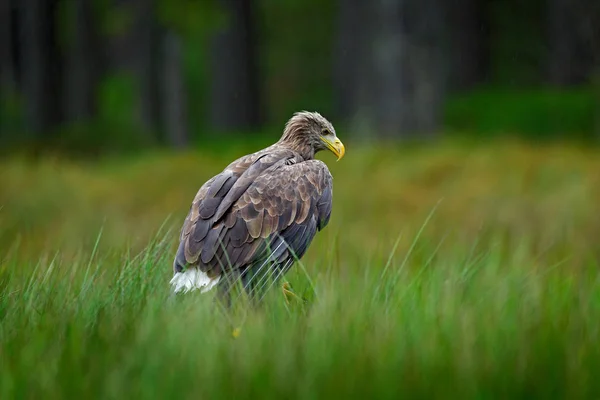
pixel 192 279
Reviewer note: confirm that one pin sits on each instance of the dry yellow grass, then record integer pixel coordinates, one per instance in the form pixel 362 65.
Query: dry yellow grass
pixel 546 192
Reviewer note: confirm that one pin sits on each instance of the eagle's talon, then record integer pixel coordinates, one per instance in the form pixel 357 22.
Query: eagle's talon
pixel 288 293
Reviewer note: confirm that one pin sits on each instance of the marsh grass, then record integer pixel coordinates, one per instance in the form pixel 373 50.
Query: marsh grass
pixel 403 300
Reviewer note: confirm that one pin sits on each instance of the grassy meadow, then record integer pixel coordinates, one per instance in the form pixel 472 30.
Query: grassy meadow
pixel 450 270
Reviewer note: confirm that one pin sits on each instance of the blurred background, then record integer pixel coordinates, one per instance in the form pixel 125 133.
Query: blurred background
pixel 462 254
pixel 97 76
pixel 114 112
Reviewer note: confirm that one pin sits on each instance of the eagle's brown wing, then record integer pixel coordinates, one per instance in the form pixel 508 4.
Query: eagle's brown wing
pixel 268 214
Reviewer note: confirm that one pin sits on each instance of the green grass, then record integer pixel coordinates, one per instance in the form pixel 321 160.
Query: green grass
pixel 446 271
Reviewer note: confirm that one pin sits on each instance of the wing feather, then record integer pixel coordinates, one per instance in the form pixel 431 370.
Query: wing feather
pixel 256 203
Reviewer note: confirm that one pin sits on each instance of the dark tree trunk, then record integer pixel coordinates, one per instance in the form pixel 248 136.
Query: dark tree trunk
pixel 561 62
pixel 351 46
pixel 573 28
pixel 398 79
pixel 83 63
pixel 174 97
pixel 234 92
pixel 467 43
pixel 148 65
pixel 41 64
pixel 8 79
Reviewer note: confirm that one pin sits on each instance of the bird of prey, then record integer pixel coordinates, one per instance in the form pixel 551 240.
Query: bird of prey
pixel 259 214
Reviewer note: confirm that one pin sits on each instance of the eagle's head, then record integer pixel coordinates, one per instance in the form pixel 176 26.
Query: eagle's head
pixel 308 133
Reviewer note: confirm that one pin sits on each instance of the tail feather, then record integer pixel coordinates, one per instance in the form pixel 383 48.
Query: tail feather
pixel 193 279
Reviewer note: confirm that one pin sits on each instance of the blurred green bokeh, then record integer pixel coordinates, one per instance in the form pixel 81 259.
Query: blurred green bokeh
pixel 510 91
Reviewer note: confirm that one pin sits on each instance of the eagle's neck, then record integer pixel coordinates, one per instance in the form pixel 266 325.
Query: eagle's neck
pixel 306 152
pixel 297 139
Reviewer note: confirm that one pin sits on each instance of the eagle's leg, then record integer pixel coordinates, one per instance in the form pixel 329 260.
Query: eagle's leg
pixel 223 297
pixel 250 282
pixel 289 293
pixel 224 288
pixel 258 286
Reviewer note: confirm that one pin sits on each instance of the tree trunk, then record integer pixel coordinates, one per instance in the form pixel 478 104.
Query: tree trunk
pixel 467 43
pixel 572 27
pixel 81 74
pixel 7 62
pixel 397 82
pixel 41 64
pixel 561 41
pixel 234 92
pixel 148 65
pixel 350 51
pixel 174 96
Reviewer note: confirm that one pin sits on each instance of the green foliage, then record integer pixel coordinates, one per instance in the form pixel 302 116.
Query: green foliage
pixel 191 19
pixel 535 113
pixel 297 42
pixel 116 100
pixel 518 44
pixel 11 115
pixel 443 273
pixel 596 89
pixel 114 19
pixel 114 130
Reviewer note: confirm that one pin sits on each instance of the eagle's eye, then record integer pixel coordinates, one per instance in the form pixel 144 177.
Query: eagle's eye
pixel 325 132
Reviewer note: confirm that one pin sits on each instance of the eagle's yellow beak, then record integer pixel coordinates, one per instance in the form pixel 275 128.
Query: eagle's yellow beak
pixel 335 145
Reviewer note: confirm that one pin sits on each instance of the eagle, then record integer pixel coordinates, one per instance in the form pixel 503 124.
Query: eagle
pixel 260 214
